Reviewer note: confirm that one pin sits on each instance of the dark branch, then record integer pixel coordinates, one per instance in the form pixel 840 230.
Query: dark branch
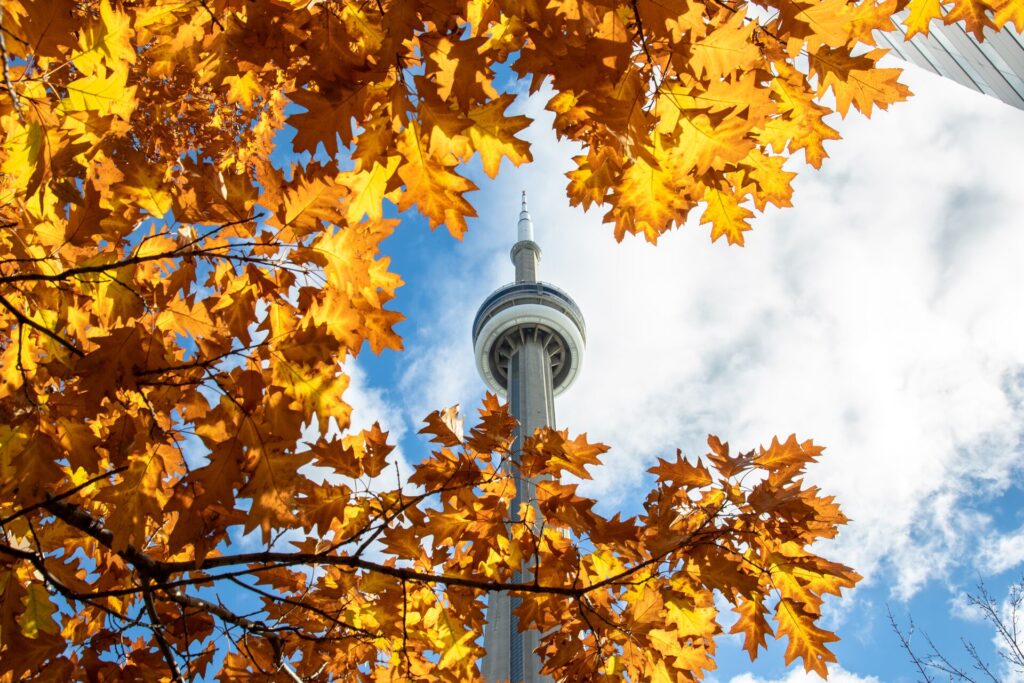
pixel 61 496
pixel 25 320
pixel 157 629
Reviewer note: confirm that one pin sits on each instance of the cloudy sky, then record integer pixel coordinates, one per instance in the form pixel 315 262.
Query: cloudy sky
pixel 880 316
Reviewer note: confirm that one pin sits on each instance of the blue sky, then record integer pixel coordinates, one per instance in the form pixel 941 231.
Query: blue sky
pixel 880 316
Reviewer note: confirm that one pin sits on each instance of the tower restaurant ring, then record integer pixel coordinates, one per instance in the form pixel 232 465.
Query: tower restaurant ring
pixel 524 310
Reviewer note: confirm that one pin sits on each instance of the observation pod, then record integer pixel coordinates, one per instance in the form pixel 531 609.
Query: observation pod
pixel 528 310
pixel 523 311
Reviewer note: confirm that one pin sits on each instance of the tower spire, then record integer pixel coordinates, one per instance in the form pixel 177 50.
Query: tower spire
pixel 525 223
pixel 525 252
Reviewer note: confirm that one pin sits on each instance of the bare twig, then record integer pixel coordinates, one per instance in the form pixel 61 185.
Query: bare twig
pixel 15 100
pixel 1007 639
pixel 905 644
pixel 284 666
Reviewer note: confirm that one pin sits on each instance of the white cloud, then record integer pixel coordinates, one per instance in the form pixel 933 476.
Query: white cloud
pixel 880 316
pixel 1000 552
pixel 836 674
pixel 961 607
pixel 369 405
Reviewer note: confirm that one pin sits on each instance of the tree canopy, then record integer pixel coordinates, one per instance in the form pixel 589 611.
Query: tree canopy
pixel 181 286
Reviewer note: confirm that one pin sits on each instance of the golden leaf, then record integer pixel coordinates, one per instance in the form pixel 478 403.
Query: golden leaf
pixel 805 640
pixel 37 616
pixel 726 215
pixel 434 188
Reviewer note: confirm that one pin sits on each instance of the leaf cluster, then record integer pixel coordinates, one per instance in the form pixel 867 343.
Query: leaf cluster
pixel 192 201
pixel 391 584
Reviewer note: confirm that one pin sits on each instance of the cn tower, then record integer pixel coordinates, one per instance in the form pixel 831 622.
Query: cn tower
pixel 528 337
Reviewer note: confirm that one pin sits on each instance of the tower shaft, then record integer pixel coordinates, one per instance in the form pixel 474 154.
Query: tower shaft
pixel 510 654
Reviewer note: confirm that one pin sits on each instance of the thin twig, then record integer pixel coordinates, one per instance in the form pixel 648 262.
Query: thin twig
pixel 25 320
pixel 640 32
pixel 216 21
pixel 6 69
pixel 905 644
pixel 284 666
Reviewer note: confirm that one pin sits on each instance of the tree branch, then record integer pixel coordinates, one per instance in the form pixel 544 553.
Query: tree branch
pixel 640 32
pixel 905 644
pixel 61 496
pixel 216 21
pixel 25 320
pixel 81 519
pixel 158 636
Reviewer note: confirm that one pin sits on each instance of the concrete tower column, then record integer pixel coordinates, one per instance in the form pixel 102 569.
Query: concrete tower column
pixel 510 654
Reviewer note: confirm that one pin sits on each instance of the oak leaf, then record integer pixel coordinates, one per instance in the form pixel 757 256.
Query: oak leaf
pixel 804 639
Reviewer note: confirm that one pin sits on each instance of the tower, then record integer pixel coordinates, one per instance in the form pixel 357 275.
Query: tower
pixel 994 67
pixel 528 337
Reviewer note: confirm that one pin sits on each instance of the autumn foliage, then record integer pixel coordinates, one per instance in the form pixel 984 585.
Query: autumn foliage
pixel 181 285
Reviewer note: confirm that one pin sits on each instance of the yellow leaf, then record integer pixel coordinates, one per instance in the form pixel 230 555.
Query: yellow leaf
pixel 919 14
pixel 973 13
pixel 604 565
pixel 146 187
pixel 191 320
pixel 804 578
pixel 1007 12
pixel 367 190
pixel 312 196
pixel 243 89
pixel 316 389
pixel 457 648
pixel 726 215
pixel 741 93
pixel 686 656
pixel 692 620
pixel 728 48
pixel 455 67
pixel 645 201
pixel 789 457
pixel 272 486
pixel 805 639
pixel 38 613
pixel 102 93
pixel 109 40
pixel 445 426
pixel 703 145
pixel 136 502
pixel 432 186
pixel 752 624
pixel 593 177
pixel 771 183
pixel 802 125
pixel 857 79
pixel 829 21
pixel 493 135
pixel 23 143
